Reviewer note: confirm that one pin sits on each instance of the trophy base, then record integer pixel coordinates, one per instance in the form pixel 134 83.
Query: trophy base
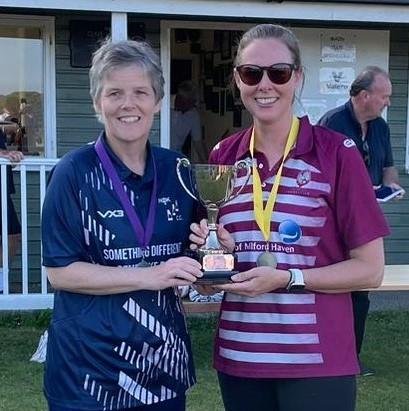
pixel 215 277
pixel 217 266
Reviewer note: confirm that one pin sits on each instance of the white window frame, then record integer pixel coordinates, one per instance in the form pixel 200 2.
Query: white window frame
pixel 46 25
pixel 119 26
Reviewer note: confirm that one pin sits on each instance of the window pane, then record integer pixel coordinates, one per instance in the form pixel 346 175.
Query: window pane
pixel 21 88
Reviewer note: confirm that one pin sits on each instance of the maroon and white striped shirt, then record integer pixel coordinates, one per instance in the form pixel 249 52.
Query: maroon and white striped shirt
pixel 325 207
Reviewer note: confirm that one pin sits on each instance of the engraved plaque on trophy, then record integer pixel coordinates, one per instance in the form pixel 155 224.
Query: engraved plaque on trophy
pixel 213 185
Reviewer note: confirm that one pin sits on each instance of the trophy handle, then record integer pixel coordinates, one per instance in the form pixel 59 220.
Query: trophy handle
pixel 238 165
pixel 185 163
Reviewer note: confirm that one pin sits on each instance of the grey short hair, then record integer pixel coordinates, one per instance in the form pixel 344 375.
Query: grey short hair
pixel 270 31
pixel 365 79
pixel 111 56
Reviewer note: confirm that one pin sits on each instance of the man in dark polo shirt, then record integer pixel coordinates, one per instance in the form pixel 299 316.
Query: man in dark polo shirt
pixel 360 119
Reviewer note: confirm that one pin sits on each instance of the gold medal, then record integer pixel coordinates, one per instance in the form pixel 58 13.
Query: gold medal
pixel 267 259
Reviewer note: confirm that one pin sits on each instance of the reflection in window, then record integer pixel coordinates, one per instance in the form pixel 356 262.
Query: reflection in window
pixel 21 88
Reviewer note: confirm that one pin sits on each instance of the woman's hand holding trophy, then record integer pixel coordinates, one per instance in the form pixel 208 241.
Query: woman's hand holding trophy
pixel 213 186
pixel 198 238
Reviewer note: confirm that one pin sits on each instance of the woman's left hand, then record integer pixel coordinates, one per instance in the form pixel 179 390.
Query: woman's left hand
pixel 258 280
pixel 200 232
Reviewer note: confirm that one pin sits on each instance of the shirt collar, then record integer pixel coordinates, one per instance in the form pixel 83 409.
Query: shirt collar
pixel 305 140
pixel 244 146
pixel 350 109
pixel 123 171
pixel 302 146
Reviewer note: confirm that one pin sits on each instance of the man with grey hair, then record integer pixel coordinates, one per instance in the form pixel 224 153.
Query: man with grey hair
pixel 360 119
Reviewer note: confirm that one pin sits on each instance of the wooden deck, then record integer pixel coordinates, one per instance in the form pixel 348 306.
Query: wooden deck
pixel 396 278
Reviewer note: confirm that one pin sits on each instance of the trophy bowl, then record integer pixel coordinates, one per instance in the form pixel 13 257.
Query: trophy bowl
pixel 213 185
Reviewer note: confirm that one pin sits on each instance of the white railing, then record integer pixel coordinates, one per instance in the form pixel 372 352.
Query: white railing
pixel 25 169
pixel 396 276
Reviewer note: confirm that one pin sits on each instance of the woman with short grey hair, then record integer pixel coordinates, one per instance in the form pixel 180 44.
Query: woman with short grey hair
pixel 111 56
pixel 115 223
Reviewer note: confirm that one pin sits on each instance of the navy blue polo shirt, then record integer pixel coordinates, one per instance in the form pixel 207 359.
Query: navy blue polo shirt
pixel 343 120
pixel 123 350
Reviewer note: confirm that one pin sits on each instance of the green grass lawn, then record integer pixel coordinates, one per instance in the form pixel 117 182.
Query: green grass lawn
pixel 386 350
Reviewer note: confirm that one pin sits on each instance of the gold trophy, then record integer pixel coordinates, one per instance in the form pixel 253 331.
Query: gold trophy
pixel 213 185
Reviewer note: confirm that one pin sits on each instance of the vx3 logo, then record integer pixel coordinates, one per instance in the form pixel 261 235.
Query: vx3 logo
pixel 111 213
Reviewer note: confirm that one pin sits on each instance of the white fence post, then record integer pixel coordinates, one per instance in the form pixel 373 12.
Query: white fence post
pixel 24 300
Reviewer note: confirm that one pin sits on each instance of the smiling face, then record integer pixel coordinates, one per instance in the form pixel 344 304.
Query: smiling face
pixel 267 102
pixel 127 105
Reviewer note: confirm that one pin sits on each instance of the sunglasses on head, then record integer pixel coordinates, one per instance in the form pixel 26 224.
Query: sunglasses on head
pixel 279 73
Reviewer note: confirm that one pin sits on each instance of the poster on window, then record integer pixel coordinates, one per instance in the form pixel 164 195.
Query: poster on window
pixel 336 80
pixel 335 48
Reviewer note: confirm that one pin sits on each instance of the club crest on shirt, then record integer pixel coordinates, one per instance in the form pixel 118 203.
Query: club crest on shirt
pixel 303 177
pixel 348 143
pixel 172 211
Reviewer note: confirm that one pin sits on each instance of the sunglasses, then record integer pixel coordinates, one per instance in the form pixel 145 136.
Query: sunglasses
pixel 365 152
pixel 279 73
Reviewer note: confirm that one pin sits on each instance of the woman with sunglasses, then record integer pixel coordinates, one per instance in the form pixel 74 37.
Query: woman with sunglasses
pixel 307 231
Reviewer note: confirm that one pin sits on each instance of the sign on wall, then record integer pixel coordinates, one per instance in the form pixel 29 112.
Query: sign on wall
pixel 337 47
pixel 336 80
pixel 87 35
pixel 332 58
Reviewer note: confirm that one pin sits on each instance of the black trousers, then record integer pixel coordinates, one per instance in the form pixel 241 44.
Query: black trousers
pixel 288 394
pixel 360 305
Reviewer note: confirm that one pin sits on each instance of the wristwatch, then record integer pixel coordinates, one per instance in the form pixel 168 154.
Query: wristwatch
pixel 296 282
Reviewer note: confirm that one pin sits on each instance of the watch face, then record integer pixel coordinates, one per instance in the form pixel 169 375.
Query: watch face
pixel 297 287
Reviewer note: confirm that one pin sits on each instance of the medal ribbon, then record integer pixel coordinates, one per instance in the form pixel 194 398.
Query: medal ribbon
pixel 263 215
pixel 143 236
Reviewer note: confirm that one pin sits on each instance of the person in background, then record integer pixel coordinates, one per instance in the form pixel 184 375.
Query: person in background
pixel 360 119
pixel 186 129
pixel 305 233
pixel 115 223
pixel 27 127
pixel 14 227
